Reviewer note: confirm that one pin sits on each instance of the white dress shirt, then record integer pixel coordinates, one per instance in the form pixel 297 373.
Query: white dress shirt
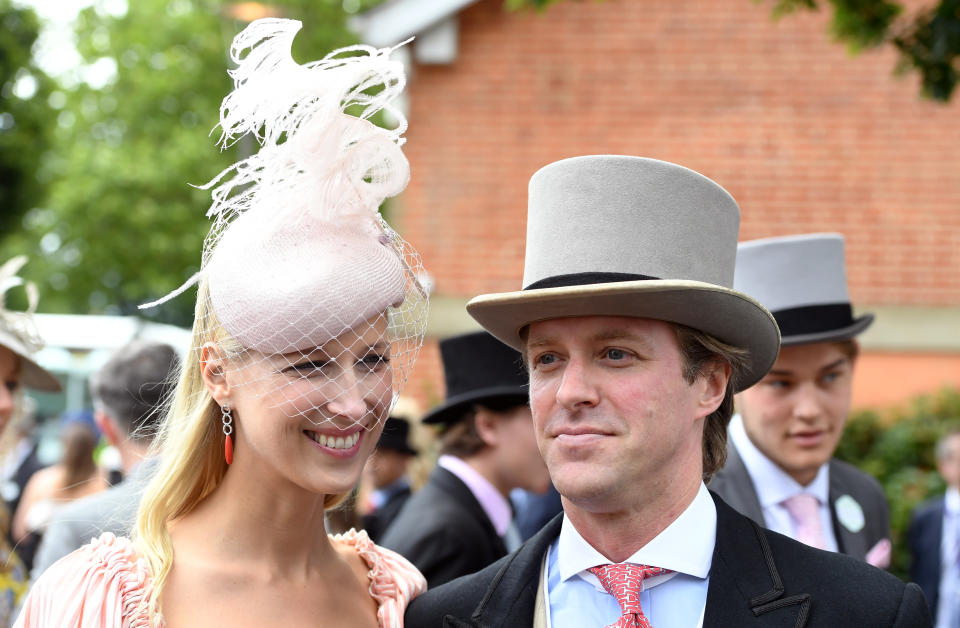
pixel 948 604
pixel 676 600
pixel 774 485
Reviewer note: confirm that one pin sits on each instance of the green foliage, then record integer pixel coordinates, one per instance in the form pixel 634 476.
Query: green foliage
pixel 929 43
pixel 898 449
pixel 120 224
pixel 25 117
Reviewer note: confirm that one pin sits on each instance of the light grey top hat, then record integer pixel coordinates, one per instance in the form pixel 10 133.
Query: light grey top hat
pixel 612 235
pixel 802 280
pixel 18 332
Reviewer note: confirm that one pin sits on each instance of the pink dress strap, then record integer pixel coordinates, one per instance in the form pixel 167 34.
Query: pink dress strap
pixel 393 580
pixel 100 585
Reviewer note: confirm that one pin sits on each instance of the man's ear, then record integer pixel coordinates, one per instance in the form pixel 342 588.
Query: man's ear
pixel 487 424
pixel 108 427
pixel 213 370
pixel 714 389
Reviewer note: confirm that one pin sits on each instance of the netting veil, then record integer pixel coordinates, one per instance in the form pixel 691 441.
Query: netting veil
pixel 315 300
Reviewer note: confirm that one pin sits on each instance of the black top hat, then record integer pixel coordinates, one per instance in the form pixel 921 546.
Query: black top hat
pixel 478 368
pixel 394 436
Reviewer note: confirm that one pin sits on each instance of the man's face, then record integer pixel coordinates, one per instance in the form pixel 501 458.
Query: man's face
pixel 386 466
pixel 519 461
pixel 615 420
pixel 795 414
pixel 949 463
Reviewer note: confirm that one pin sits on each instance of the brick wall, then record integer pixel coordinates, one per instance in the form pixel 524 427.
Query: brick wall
pixel 805 137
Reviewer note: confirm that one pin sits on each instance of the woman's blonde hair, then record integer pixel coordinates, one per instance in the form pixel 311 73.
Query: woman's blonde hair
pixel 189 444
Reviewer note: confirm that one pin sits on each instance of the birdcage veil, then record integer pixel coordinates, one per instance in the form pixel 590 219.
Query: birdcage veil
pixel 314 299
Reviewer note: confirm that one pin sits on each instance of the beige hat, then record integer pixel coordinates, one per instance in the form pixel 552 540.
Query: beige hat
pixel 18 332
pixel 612 235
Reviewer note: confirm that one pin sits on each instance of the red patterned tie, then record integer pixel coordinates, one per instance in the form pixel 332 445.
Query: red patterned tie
pixel 624 581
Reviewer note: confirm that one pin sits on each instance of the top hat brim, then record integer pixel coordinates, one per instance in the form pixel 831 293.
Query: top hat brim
pixel 833 335
pixel 452 409
pixel 726 314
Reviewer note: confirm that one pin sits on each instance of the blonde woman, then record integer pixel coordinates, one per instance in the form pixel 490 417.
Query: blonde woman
pixel 309 315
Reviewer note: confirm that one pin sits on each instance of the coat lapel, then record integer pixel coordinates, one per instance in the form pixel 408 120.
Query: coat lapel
pixel 511 597
pixel 745 586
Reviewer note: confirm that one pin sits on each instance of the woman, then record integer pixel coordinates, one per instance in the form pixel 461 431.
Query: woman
pixel 75 476
pixel 309 314
pixel 18 342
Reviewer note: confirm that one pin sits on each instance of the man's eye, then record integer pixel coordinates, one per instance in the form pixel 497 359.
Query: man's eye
pixel 546 359
pixel 829 378
pixel 778 384
pixel 616 354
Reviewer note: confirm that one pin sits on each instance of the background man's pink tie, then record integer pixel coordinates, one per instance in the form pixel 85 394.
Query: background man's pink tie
pixel 804 509
pixel 624 581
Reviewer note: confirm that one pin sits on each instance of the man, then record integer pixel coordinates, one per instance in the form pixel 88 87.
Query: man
pixel 635 344
pixel 934 538
pixel 129 394
pixel 779 469
pixel 460 521
pixel 386 471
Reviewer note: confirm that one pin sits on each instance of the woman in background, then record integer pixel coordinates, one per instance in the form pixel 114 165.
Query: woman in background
pixel 75 476
pixel 19 340
pixel 309 314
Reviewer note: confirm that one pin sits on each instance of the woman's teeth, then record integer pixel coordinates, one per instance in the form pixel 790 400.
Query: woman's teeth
pixel 335 442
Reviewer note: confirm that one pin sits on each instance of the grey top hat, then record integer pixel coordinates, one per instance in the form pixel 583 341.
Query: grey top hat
pixel 802 280
pixel 611 235
pixel 18 332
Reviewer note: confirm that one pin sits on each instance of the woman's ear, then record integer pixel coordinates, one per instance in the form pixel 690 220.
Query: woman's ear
pixel 213 371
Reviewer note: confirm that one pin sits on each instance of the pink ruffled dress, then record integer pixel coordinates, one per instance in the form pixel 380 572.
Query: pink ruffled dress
pixel 102 584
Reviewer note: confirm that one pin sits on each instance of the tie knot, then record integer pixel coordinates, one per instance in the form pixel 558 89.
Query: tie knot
pixel 624 582
pixel 802 506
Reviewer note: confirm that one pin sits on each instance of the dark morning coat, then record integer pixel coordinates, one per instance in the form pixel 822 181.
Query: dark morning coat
pixel 444 531
pixel 758 579
pixel 734 485
pixel 924 536
pixel 377 522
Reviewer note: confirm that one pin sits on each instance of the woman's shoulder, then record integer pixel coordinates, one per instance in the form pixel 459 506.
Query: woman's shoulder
pixel 101 584
pixel 394 581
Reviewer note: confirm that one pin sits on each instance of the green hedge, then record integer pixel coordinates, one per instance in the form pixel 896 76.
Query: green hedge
pixel 896 446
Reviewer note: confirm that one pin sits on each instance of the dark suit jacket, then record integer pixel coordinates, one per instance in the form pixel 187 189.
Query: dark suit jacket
pixel 377 522
pixel 734 485
pixel 444 531
pixel 924 537
pixel 758 579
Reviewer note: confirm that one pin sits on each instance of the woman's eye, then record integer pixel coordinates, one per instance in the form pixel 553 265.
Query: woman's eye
pixel 11 385
pixel 306 369
pixel 375 361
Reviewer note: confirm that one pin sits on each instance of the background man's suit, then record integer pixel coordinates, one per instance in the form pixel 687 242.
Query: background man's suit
pixel 758 578
pixel 377 522
pixel 734 485
pixel 924 537
pixel 444 531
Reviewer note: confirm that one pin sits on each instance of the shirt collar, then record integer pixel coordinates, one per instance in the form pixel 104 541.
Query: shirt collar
pixel 685 546
pixel 951 501
pixel 773 484
pixel 493 503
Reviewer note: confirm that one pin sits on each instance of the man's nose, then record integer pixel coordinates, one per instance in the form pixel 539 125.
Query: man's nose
pixel 577 386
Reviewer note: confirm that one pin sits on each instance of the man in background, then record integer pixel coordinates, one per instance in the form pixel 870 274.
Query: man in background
pixel 460 521
pixel 129 394
pixel 780 469
pixel 934 538
pixel 386 471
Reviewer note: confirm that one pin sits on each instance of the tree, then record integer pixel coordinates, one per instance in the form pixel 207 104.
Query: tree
pixel 25 116
pixel 928 42
pixel 120 225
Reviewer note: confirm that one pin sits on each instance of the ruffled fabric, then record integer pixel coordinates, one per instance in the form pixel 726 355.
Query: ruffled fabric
pixel 394 581
pixel 101 585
